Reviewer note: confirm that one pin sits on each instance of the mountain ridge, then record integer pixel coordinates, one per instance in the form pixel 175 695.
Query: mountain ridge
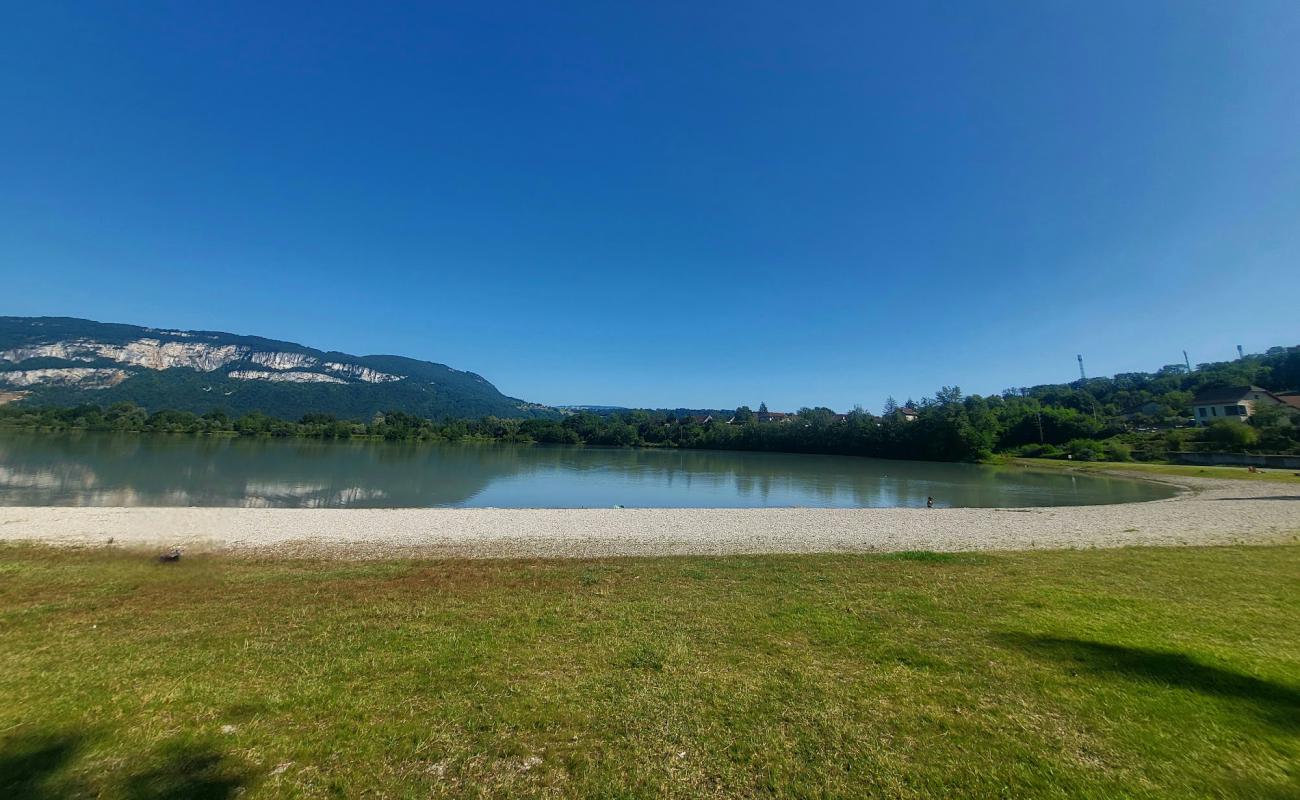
pixel 68 360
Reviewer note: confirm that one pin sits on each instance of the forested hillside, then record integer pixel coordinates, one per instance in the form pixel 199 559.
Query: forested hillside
pixel 1098 418
pixel 64 361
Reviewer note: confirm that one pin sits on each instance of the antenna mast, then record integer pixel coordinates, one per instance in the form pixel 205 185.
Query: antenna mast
pixel 1240 355
pixel 1188 362
pixel 1082 375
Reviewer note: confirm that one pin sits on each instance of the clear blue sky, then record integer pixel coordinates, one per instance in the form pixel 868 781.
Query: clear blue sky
pixel 663 204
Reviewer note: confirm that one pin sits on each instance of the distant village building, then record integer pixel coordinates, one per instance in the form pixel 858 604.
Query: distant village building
pixel 1290 398
pixel 1236 402
pixel 772 416
pixel 908 414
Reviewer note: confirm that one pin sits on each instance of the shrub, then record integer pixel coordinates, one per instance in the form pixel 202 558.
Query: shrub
pixel 1084 449
pixel 1232 435
pixel 1118 451
pixel 1037 451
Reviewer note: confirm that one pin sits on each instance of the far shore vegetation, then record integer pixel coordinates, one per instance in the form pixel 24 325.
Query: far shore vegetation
pixel 1158 469
pixel 1133 416
pixel 1155 673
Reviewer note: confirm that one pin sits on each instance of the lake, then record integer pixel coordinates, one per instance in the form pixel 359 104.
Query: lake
pixel 124 470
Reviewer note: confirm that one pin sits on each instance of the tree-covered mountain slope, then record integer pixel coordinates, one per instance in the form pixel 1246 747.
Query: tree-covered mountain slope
pixel 62 360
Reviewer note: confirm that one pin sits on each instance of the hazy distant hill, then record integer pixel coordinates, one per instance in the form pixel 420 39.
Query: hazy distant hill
pixel 675 413
pixel 62 360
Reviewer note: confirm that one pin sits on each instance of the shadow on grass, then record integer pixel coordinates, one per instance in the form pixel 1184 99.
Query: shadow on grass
pixel 1276 702
pixel 29 765
pixel 189 771
pixel 31 769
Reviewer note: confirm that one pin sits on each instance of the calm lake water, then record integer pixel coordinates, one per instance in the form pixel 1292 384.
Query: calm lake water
pixel 109 470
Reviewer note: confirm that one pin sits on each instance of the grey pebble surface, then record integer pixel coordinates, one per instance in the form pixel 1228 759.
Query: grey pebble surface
pixel 1209 512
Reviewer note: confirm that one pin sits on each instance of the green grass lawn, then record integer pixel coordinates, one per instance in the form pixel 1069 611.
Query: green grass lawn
pixel 1179 470
pixel 1121 673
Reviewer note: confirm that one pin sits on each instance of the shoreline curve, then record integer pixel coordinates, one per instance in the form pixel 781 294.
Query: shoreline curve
pixel 1213 512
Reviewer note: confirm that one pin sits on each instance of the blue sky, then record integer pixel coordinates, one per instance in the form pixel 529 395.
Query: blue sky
pixel 663 204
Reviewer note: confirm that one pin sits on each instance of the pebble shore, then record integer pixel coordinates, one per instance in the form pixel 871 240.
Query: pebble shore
pixel 1209 512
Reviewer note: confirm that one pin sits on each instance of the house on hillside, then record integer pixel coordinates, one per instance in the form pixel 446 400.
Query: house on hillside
pixel 1234 402
pixel 908 414
pixel 772 416
pixel 1290 398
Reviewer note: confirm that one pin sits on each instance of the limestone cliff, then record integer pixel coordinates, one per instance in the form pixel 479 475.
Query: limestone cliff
pixel 66 360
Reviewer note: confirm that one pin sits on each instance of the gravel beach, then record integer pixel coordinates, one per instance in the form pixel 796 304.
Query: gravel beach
pixel 1209 512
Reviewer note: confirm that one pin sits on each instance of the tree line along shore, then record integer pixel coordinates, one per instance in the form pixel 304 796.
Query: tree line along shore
pixel 1142 416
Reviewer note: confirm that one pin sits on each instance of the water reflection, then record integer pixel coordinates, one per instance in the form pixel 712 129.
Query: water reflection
pixel 109 470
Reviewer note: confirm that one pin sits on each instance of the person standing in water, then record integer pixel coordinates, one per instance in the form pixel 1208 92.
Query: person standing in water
pixel 929 502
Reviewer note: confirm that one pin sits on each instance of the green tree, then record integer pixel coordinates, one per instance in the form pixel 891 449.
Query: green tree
pixel 1232 435
pixel 947 395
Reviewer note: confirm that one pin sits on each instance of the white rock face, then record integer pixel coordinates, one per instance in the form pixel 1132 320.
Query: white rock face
pixel 153 354
pixel 83 377
pixel 362 373
pixel 75 350
pixel 148 353
pixel 283 377
pixel 157 354
pixel 283 360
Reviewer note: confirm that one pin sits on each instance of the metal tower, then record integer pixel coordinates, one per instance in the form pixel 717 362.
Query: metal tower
pixel 1188 362
pixel 1082 375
